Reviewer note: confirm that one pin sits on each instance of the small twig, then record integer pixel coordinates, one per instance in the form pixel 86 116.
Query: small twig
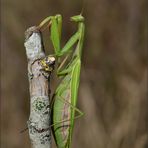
pixel 24 130
pixel 39 119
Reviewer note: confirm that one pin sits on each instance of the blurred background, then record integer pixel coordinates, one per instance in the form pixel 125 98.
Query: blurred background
pixel 113 89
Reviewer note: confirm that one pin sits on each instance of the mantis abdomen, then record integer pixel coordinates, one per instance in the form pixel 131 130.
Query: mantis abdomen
pixel 62 112
pixel 65 106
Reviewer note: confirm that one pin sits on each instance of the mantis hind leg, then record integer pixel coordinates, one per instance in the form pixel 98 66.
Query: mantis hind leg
pixel 80 113
pixel 67 125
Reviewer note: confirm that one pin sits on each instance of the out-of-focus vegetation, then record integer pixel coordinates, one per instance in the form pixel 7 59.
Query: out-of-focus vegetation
pixel 113 89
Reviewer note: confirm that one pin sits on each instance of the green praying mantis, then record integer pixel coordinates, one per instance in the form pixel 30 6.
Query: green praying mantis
pixel 65 96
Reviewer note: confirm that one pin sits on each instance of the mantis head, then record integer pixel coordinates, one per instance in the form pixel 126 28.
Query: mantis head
pixel 77 18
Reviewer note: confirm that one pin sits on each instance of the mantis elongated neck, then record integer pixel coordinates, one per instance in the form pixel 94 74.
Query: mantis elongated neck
pixel 81 29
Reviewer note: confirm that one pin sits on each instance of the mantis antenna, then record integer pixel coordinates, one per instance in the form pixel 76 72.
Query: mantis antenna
pixel 82 9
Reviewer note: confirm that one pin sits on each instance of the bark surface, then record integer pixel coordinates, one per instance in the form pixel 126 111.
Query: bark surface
pixel 39 120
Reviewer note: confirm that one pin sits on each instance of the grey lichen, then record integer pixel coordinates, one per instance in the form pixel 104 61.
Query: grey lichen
pixel 39 122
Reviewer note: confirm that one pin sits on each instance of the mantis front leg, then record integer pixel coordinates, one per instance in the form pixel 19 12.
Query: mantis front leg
pixel 56 23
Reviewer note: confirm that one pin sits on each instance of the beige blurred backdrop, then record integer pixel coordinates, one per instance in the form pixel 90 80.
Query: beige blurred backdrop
pixel 113 88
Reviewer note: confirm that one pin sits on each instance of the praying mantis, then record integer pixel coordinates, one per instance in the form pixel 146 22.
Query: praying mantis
pixel 65 96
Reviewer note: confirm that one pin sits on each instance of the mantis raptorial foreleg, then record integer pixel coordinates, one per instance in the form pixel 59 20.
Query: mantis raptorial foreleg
pixel 56 36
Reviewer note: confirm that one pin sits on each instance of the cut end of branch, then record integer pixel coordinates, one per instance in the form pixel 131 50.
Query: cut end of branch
pixel 30 31
pixel 33 43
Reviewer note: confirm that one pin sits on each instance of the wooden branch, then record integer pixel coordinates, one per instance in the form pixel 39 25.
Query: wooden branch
pixel 39 120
